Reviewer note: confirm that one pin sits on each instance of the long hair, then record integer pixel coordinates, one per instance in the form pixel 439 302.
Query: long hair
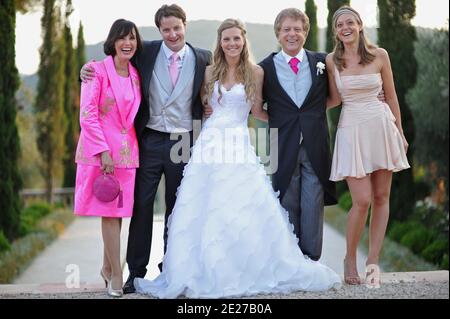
pixel 244 71
pixel 364 45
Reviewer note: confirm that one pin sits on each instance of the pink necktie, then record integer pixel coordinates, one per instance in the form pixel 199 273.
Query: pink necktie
pixel 294 64
pixel 173 68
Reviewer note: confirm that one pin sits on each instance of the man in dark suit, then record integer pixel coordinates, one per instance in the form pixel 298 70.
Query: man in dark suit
pixel 295 89
pixel 172 73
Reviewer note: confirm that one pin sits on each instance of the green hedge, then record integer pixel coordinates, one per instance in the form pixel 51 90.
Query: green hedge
pixel 345 201
pixel 30 216
pixel 444 263
pixel 428 242
pixel 23 250
pixel 4 242
pixel 417 239
pixel 436 252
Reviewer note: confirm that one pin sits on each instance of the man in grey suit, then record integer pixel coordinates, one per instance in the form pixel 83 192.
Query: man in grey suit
pixel 172 73
pixel 295 89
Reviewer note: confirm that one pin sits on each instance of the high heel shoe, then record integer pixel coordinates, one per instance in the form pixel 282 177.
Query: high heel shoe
pixel 117 293
pixel 104 278
pixel 111 292
pixel 350 279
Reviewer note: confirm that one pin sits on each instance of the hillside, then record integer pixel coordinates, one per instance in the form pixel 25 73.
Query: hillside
pixel 202 34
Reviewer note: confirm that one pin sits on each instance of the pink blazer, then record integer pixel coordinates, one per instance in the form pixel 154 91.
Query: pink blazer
pixel 106 120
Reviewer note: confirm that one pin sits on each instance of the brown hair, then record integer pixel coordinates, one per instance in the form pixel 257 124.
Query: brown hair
pixel 120 28
pixel 292 13
pixel 364 45
pixel 169 11
pixel 244 71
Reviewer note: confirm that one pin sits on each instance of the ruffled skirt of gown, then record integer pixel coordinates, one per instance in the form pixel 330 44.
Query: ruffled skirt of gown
pixel 228 234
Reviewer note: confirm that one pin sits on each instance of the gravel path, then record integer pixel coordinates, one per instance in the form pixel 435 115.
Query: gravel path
pixel 81 246
pixel 422 290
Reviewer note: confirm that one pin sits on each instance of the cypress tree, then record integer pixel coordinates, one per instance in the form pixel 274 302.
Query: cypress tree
pixel 397 36
pixel 70 106
pixel 49 106
pixel 80 60
pixel 10 181
pixel 312 42
pixel 81 49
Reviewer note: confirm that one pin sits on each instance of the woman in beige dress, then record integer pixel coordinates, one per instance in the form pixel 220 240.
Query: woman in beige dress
pixel 370 144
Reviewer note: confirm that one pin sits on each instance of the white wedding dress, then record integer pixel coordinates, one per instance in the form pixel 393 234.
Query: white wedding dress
pixel 228 234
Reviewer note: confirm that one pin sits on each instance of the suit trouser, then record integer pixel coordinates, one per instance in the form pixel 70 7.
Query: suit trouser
pixel 304 200
pixel 154 160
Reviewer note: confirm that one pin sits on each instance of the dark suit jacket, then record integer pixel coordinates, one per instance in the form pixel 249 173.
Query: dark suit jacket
pixel 310 119
pixel 145 62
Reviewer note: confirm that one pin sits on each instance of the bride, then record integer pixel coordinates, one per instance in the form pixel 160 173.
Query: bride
pixel 228 234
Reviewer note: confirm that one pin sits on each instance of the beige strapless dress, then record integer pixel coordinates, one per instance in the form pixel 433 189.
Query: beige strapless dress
pixel 367 138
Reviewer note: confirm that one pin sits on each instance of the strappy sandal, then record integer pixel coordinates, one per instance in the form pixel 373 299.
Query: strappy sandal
pixel 350 279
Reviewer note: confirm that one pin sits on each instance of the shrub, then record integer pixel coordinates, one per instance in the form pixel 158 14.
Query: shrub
pixel 4 242
pixel 431 215
pixel 59 205
pixel 24 249
pixel 345 201
pixel 417 239
pixel 444 263
pixel 31 215
pixel 42 209
pixel 436 251
pixel 399 229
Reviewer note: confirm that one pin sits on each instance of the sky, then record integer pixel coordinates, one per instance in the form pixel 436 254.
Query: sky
pixel 98 15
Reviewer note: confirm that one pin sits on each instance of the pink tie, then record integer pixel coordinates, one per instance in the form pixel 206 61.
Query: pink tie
pixel 294 64
pixel 173 68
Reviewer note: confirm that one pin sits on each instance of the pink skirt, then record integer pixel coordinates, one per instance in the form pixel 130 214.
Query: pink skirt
pixel 86 204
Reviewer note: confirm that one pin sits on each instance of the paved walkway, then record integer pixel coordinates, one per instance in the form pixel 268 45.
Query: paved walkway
pixel 79 249
pixel 78 254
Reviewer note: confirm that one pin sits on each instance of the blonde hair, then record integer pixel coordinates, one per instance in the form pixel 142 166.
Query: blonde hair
pixel 364 45
pixel 244 71
pixel 294 14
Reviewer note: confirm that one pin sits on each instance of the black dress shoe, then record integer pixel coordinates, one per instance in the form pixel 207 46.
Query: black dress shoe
pixel 128 288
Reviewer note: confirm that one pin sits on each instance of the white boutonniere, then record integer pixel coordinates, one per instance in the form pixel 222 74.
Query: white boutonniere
pixel 320 67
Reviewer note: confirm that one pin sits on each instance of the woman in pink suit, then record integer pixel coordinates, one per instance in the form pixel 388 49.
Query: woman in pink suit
pixel 108 143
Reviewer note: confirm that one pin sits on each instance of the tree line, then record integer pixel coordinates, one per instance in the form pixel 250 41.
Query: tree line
pixel 55 107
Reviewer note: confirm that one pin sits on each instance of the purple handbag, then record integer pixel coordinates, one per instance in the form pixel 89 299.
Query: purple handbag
pixel 106 188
